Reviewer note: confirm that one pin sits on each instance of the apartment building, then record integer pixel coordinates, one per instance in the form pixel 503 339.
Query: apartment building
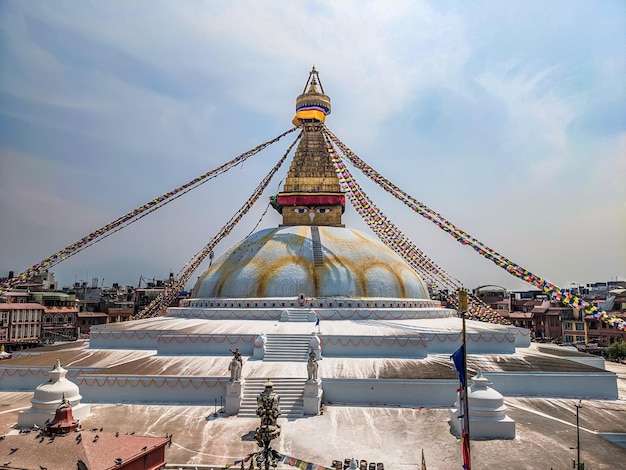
pixel 20 324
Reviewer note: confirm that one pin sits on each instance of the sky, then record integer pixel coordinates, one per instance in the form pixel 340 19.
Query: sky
pixel 508 118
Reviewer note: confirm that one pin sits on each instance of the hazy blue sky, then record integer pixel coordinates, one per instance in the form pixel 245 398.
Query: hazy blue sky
pixel 508 118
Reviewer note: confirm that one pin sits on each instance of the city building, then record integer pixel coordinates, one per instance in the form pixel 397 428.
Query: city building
pixel 20 325
pixel 601 333
pixel 60 314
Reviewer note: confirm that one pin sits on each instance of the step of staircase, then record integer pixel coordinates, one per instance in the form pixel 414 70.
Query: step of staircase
pixel 286 348
pixel 299 315
pixel 290 390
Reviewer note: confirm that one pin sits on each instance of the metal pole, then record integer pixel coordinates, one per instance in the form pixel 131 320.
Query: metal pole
pixel 579 405
pixel 466 394
pixel 463 307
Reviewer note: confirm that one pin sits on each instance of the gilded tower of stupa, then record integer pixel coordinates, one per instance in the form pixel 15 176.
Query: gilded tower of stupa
pixel 311 194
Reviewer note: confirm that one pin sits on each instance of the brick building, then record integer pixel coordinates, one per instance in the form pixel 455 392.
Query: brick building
pixel 20 324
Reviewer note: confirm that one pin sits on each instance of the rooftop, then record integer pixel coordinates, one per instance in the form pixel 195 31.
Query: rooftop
pixel 545 433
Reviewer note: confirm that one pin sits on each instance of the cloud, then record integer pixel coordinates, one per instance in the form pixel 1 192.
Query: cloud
pixel 496 115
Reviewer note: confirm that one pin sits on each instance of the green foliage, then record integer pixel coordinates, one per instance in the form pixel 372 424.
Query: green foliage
pixel 616 351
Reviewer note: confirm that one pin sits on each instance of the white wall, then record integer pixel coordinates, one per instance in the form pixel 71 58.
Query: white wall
pixel 601 385
pixel 155 390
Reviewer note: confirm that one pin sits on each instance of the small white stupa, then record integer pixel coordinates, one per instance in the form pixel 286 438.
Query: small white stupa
pixel 47 398
pixel 487 412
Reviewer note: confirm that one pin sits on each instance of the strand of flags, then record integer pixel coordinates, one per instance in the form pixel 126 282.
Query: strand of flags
pixel 136 214
pixel 464 238
pixel 393 237
pixel 285 459
pixel 380 224
pixel 297 463
pixel 166 297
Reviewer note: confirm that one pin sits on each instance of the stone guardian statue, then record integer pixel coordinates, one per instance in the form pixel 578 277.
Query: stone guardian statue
pixel 311 366
pixel 236 365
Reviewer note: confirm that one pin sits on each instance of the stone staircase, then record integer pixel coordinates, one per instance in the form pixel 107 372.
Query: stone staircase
pixel 299 315
pixel 318 255
pixel 290 390
pixel 286 348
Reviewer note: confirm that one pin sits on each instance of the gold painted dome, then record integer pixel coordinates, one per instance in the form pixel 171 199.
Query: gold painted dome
pixel 316 261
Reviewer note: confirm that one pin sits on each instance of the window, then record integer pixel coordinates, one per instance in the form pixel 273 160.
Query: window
pixel 580 326
pixel 580 339
pixel 58 320
pixel 567 326
pixel 569 339
pixel 47 319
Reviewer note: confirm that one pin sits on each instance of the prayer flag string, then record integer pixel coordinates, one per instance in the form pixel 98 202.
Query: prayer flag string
pixel 165 298
pixel 135 215
pixel 464 238
pixel 393 237
pixel 380 224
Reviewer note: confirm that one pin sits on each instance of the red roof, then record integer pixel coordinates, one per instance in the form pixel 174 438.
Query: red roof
pixel 521 315
pixel 91 314
pixel 98 450
pixel 61 309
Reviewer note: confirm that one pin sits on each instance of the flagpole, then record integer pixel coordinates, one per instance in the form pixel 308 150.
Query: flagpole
pixel 463 307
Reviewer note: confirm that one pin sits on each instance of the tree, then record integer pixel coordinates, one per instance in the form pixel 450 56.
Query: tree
pixel 616 351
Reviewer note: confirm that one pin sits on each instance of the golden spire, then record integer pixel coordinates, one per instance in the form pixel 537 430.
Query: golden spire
pixel 312 105
pixel 65 403
pixel 311 194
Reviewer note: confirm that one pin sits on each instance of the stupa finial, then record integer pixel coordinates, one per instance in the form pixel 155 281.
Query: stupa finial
pixel 65 403
pixel 312 105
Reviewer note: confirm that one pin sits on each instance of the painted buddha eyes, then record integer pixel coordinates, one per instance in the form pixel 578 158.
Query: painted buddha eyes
pixel 304 210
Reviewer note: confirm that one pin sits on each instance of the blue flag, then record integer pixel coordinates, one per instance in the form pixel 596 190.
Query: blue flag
pixel 317 321
pixel 457 358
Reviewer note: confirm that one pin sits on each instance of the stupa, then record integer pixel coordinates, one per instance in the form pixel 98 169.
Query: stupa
pixel 487 411
pixel 47 397
pixel 310 284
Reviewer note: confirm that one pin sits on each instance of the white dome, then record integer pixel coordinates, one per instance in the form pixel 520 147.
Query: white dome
pixel 316 261
pixel 487 411
pixel 50 394
pixel 485 402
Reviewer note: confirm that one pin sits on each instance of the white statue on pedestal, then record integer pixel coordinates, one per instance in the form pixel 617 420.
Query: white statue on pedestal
pixel 316 345
pixel 311 366
pixel 235 365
